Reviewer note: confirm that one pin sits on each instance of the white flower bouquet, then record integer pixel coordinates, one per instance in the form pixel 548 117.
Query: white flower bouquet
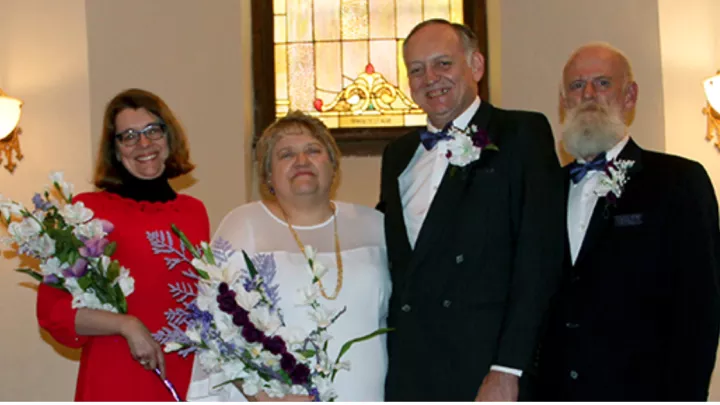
pixel 71 246
pixel 235 326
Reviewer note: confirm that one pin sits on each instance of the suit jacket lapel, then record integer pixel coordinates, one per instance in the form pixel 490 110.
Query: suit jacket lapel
pixel 602 214
pixel 441 213
pixel 406 149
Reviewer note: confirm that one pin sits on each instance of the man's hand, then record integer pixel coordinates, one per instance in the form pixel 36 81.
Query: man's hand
pixel 498 386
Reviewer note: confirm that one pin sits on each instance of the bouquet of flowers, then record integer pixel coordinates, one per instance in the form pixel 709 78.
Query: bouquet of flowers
pixel 71 246
pixel 234 324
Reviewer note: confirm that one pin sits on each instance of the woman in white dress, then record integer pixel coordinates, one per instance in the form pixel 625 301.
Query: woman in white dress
pixel 298 163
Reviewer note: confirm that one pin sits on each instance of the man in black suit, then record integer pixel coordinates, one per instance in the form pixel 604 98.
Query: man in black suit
pixel 474 236
pixel 637 316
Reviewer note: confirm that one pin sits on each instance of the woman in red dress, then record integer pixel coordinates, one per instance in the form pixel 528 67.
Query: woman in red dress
pixel 142 146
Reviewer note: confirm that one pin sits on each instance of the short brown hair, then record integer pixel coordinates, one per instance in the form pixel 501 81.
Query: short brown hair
pixel 268 139
pixel 107 166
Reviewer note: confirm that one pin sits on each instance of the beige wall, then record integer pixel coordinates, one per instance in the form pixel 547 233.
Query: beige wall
pixel 66 59
pixel 689 36
pixel 43 61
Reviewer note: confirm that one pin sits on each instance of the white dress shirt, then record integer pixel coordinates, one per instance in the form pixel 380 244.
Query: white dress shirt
pixel 421 178
pixel 581 202
pixel 420 181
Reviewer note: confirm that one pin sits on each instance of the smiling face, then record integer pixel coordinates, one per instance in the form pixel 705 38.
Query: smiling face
pixel 300 165
pixel 598 97
pixel 443 75
pixel 146 159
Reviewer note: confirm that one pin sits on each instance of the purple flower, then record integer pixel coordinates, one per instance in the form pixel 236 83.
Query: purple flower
pixel 481 138
pixel 300 374
pixel 227 302
pixel 94 247
pixel 240 317
pixel 50 279
pixel 275 345
pixel 107 226
pixel 288 362
pixel 76 270
pixel 252 334
pixel 223 288
pixel 315 394
pixel 40 203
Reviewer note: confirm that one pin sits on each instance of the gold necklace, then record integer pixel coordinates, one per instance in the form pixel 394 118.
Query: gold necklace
pixel 338 257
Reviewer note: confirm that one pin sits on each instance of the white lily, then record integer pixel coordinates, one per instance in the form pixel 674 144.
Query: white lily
pixel 265 320
pixel 76 214
pixel 172 347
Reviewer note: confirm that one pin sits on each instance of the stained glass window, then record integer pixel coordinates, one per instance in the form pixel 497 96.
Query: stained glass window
pixel 341 60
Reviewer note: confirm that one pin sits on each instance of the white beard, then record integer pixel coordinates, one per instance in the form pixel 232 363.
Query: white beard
pixel 590 129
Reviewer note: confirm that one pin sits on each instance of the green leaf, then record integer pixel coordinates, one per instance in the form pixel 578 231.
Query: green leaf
pixel 208 255
pixel 185 241
pixel 32 273
pixel 113 271
pixel 349 344
pixel 85 281
pixel 203 274
pixel 307 353
pixel 110 249
pixel 251 267
pixel 285 377
pixel 120 301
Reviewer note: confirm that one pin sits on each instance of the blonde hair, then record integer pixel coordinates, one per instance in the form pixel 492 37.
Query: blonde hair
pixel 270 136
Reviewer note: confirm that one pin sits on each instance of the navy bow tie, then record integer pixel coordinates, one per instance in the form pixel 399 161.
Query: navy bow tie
pixel 430 139
pixel 579 170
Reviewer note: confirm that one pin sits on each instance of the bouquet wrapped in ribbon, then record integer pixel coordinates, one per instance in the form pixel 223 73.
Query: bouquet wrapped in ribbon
pixel 71 245
pixel 235 326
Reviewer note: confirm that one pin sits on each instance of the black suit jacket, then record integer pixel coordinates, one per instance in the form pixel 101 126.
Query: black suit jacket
pixel 487 259
pixel 638 314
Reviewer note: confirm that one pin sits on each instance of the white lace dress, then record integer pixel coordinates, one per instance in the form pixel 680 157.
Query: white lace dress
pixel 365 292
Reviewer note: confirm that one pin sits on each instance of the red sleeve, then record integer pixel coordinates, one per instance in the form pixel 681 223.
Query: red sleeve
pixel 57 316
pixel 55 312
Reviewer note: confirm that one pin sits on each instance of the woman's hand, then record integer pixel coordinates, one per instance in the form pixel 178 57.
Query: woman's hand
pixel 143 347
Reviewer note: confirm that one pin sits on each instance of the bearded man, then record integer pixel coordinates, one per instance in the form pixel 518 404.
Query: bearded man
pixel 638 313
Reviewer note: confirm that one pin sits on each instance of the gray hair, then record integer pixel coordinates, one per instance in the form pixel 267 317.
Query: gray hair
pixel 467 37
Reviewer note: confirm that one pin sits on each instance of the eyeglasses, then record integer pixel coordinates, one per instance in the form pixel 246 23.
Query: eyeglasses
pixel 152 132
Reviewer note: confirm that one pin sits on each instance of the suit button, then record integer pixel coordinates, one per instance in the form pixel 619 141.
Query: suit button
pixel 574 374
pixel 447 303
pixel 571 325
pixel 406 308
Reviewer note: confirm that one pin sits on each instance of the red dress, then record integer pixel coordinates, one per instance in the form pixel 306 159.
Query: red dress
pixel 107 369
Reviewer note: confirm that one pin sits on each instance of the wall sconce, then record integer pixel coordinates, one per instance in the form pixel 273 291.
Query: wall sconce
pixel 712 110
pixel 10 110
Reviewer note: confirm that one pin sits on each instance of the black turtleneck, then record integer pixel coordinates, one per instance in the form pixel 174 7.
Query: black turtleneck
pixel 155 190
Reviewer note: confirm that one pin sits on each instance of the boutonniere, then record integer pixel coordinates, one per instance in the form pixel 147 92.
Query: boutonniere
pixel 613 179
pixel 465 145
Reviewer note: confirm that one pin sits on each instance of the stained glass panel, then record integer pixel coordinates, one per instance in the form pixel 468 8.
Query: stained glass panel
pixel 354 19
pixel 327 20
pixel 341 60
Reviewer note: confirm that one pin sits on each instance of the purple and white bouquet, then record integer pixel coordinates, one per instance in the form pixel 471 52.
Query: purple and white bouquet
pixel 71 245
pixel 236 328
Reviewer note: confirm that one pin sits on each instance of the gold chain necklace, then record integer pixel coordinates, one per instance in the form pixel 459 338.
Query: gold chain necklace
pixel 338 257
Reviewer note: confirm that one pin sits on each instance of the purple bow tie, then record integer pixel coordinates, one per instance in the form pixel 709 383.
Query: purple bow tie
pixel 579 170
pixel 430 139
